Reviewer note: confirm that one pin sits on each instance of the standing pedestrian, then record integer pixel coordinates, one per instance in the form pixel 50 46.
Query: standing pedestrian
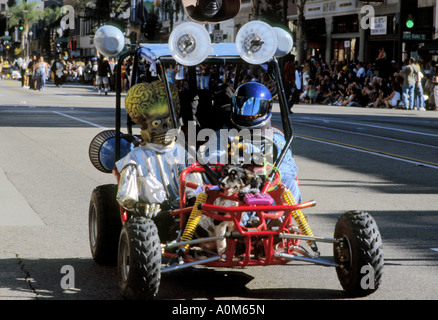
pixel 94 72
pixel 124 76
pixel 410 74
pixel 103 71
pixel 420 103
pixel 205 76
pixel 435 91
pixel 41 72
pixel 289 76
pixel 180 74
pixel 26 73
pixel 298 78
pixel 113 65
pixel 198 77
pixel 171 74
pixel 32 79
pixel 58 70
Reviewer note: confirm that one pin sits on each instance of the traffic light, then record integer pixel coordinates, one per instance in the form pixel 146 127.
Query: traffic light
pixel 21 25
pixel 409 15
pixel 410 22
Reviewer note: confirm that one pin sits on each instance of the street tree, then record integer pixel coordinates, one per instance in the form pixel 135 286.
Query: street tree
pixel 256 8
pixel 271 11
pixel 170 10
pixel 103 12
pixel 50 20
pixel 152 27
pixel 27 14
pixel 300 30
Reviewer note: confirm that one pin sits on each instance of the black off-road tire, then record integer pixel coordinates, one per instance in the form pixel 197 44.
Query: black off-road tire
pixel 104 224
pixel 360 254
pixel 139 259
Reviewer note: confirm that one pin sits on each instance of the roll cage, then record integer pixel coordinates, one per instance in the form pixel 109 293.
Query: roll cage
pixel 159 55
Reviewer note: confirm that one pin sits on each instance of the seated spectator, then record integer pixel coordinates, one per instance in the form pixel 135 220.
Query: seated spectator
pixel 351 96
pixel 332 95
pixel 324 92
pixel 310 94
pixel 340 95
pixel 368 92
pixel 379 98
pixel 393 99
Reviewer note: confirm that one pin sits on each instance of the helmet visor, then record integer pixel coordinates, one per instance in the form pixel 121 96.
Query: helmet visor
pixel 250 107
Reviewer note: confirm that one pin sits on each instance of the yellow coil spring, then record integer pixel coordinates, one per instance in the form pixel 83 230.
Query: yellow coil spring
pixel 194 218
pixel 298 216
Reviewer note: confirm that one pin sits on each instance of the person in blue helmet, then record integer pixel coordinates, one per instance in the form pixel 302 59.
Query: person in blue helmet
pixel 250 126
pixel 251 108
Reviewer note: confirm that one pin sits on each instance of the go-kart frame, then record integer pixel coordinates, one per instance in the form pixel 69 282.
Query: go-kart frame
pixel 353 232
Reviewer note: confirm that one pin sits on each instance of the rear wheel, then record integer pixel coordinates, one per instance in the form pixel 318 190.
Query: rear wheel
pixel 104 224
pixel 359 254
pixel 139 259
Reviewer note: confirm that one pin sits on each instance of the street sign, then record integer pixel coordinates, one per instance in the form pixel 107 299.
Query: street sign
pixel 379 25
pixel 62 39
pixel 218 36
pixel 413 36
pixel 6 38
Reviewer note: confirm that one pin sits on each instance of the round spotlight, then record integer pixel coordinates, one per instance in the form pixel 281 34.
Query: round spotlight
pixel 189 44
pixel 109 40
pixel 284 42
pixel 256 42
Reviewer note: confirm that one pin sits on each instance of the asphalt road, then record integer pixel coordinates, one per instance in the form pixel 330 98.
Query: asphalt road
pixel 377 160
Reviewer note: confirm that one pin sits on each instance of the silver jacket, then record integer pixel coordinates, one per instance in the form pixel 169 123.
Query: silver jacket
pixel 150 174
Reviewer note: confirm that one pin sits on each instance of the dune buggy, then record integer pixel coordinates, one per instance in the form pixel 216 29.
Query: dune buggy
pixel 143 249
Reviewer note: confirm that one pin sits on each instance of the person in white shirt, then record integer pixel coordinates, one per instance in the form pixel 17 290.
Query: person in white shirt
pixel 298 78
pixel 180 74
pixel 360 72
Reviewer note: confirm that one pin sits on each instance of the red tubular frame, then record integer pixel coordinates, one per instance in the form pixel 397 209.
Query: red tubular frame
pixel 264 212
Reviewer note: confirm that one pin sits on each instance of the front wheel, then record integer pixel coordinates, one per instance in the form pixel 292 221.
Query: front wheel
pixel 104 224
pixel 139 259
pixel 359 253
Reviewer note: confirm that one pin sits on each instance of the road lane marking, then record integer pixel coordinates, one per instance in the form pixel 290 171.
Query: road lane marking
pixel 335 143
pixel 375 126
pixel 80 120
pixel 371 151
pixel 13 83
pixel 370 135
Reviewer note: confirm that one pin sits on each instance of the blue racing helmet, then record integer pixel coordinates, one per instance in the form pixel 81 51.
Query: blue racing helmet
pixel 251 106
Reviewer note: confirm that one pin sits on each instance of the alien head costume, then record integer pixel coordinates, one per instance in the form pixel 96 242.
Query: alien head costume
pixel 149 173
pixel 147 105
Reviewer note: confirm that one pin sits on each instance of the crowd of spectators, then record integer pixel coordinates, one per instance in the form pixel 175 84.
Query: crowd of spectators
pixel 340 83
pixel 371 85
pixel 61 69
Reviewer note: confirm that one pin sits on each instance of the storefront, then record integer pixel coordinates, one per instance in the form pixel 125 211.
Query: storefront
pixel 332 30
pixel 345 38
pixel 385 35
pixel 345 49
pixel 315 33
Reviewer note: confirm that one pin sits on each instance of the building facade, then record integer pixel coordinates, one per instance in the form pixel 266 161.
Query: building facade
pixel 357 30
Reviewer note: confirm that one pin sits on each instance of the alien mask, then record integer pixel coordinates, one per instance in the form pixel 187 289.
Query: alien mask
pixel 146 104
